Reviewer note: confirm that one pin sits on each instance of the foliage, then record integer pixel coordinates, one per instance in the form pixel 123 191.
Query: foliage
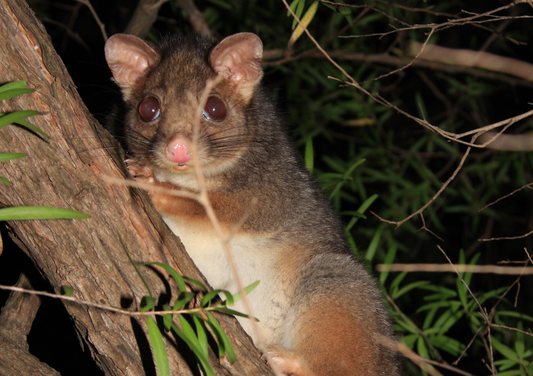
pixel 196 338
pixel 370 158
pixel 7 91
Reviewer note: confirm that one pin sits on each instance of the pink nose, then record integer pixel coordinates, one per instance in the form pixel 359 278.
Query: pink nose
pixel 178 151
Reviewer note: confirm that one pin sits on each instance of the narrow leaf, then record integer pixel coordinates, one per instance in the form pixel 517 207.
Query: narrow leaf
pixel 158 347
pixel 183 298
pixel 9 156
pixel 248 289
pixel 167 318
pixel 32 127
pixel 14 92
pixel 170 270
pixel 188 331
pixel 39 212
pixel 197 283
pixel 372 248
pixel 298 12
pixel 309 155
pixel 228 311
pixel 208 297
pixel 202 335
pixel 307 18
pixel 148 303
pixel 223 341
pixel 13 85
pixel 14 117
pixel 208 371
pixel 67 290
pixel 293 6
pixel 137 270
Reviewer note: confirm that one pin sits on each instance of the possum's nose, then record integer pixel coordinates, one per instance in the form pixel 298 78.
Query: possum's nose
pixel 178 151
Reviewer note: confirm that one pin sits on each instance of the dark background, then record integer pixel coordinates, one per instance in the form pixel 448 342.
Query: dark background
pixel 405 163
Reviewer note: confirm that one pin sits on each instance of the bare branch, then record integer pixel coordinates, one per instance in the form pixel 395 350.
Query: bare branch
pixel 88 4
pixel 447 268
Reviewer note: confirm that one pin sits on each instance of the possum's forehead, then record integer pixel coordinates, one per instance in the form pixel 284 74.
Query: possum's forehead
pixel 184 65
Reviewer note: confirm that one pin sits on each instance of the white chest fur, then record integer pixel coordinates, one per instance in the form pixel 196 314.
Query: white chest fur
pixel 255 259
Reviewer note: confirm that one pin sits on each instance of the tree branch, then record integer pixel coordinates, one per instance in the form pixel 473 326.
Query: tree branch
pixel 67 171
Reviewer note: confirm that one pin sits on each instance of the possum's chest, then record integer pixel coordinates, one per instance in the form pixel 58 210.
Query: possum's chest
pixel 256 258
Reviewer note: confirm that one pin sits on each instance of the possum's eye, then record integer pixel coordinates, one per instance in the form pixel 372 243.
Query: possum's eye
pixel 214 109
pixel 149 109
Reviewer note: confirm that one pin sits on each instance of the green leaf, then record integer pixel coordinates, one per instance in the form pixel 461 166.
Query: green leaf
pixel 14 92
pixel 170 270
pixel 195 282
pixel 422 348
pixel 208 371
pixel 32 127
pixel 158 347
pixel 505 351
pixel 448 344
pixel 9 156
pixel 208 297
pixel 305 20
pixel 189 331
pixel 39 212
pixel 372 248
pixel 298 12
pixel 293 6
pixel 202 335
pixel 18 118
pixel 223 341
pixel 183 298
pixel 228 311
pixel 67 290
pixel 193 341
pixel 135 266
pixel 518 315
pixel 248 289
pixel 519 343
pixel 364 206
pixel 148 303
pixel 309 155
pixel 13 85
pixel 167 318
pixel 407 288
pixel 389 259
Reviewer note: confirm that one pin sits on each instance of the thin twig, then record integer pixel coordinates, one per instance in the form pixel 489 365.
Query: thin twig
pixel 507 195
pixel 103 306
pixel 462 268
pixel 101 25
pixel 419 331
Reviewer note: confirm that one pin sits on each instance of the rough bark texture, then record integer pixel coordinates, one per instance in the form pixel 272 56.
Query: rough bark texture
pixel 67 171
pixel 15 324
pixel 143 18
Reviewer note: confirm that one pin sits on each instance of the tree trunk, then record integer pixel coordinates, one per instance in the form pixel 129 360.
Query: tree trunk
pixel 67 171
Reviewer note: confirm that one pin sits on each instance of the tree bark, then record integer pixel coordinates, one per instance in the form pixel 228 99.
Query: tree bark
pixel 67 171
pixel 15 324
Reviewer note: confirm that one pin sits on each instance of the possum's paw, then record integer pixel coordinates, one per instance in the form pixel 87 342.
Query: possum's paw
pixel 141 174
pixel 288 361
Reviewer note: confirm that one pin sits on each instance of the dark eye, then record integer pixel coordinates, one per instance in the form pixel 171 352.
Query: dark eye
pixel 214 109
pixel 149 109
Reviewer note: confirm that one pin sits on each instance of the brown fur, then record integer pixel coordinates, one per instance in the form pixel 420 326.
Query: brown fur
pixel 320 312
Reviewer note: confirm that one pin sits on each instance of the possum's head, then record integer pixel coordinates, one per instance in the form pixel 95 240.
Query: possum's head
pixel 165 95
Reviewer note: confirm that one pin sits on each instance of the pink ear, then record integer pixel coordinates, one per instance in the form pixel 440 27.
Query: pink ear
pixel 128 58
pixel 238 57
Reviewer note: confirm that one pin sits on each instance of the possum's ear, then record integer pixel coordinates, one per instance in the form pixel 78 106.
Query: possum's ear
pixel 128 58
pixel 238 58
